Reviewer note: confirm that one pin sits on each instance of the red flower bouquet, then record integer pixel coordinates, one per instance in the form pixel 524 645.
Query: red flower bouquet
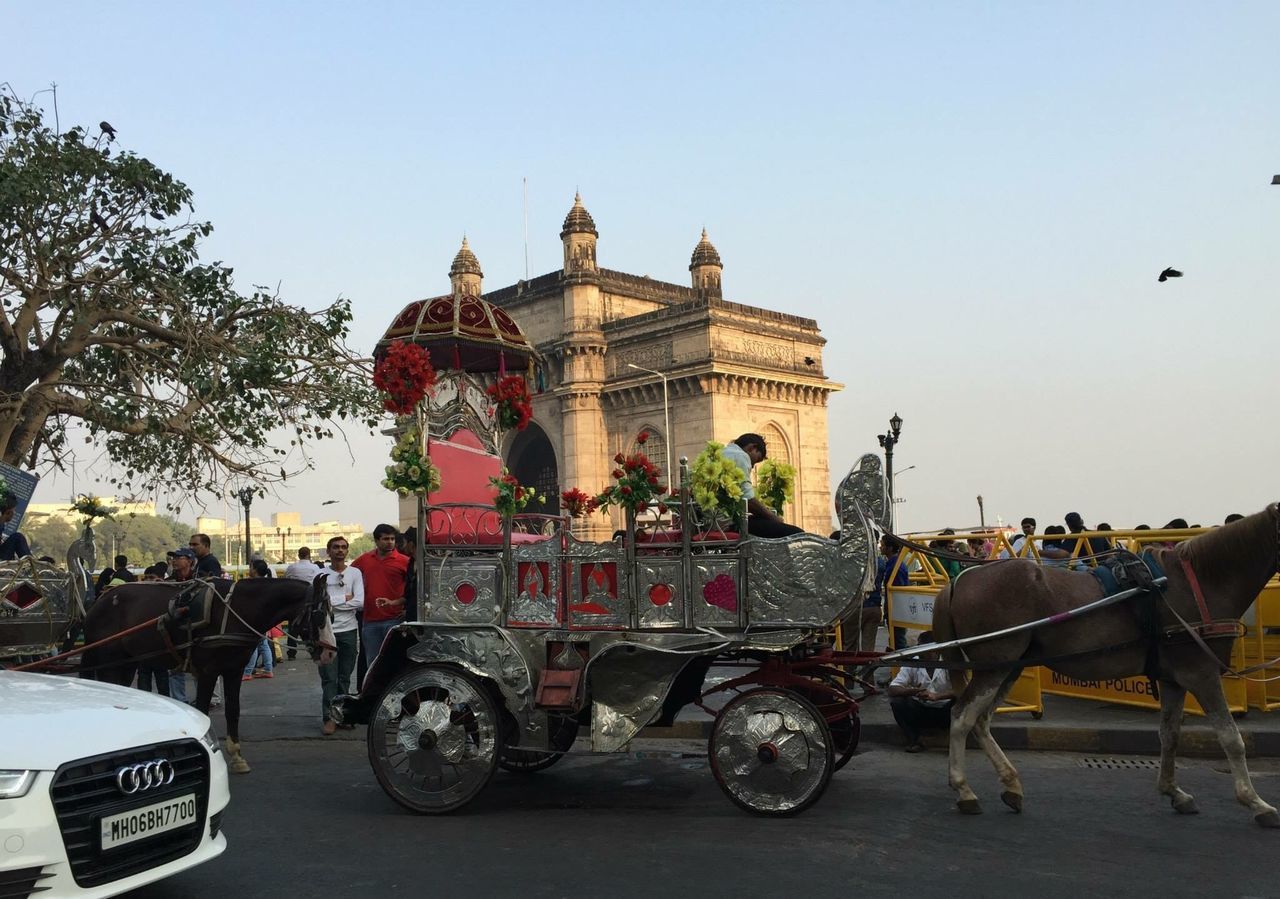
pixel 577 503
pixel 637 483
pixel 512 497
pixel 404 374
pixel 512 402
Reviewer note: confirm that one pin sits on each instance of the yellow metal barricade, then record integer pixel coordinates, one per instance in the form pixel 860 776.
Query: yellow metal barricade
pixel 1262 644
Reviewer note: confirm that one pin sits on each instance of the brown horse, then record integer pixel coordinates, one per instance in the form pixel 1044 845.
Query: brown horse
pixel 1231 563
pixel 223 636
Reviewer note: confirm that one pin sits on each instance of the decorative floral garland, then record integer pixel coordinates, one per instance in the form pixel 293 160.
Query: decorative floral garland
pixel 716 483
pixel 637 483
pixel 775 484
pixel 92 507
pixel 411 472
pixel 512 402
pixel 577 503
pixel 512 497
pixel 404 374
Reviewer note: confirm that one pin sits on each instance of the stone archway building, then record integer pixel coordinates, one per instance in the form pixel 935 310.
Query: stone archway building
pixel 730 369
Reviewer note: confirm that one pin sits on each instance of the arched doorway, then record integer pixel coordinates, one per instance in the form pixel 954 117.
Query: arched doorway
pixel 532 459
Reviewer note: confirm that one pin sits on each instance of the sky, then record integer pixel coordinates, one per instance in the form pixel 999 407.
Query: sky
pixel 972 199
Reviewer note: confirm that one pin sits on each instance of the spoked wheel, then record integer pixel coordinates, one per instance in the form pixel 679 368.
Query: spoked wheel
pixel 564 730
pixel 433 739
pixel 771 752
pixel 840 711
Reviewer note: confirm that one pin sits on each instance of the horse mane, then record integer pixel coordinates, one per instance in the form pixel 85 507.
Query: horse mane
pixel 1218 553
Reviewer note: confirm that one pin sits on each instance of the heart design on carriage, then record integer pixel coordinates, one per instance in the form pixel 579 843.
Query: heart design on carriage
pixel 721 592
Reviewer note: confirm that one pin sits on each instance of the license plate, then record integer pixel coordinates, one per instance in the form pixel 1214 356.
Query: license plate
pixel 140 823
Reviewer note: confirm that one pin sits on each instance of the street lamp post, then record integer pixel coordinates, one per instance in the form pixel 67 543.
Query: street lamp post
pixel 887 442
pixel 666 413
pixel 245 494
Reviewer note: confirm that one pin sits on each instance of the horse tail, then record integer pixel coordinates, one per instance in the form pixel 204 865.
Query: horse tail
pixel 944 631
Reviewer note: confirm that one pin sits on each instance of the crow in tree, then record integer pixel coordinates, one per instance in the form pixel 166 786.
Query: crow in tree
pixel 98 220
pixel 1169 273
pixel 107 130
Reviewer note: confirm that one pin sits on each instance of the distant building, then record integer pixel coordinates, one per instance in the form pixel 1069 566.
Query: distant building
pixel 37 512
pixel 279 540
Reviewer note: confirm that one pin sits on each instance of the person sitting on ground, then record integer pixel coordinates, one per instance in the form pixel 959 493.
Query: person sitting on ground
pixel 15 546
pixel 746 452
pixel 921 697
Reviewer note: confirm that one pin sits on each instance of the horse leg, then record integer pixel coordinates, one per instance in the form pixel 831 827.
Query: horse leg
pixel 1012 793
pixel 231 708
pixel 204 689
pixel 1172 698
pixel 1214 702
pixel 978 697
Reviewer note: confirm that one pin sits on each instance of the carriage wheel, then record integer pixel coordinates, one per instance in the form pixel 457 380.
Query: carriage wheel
pixel 433 739
pixel 564 730
pixel 771 752
pixel 846 729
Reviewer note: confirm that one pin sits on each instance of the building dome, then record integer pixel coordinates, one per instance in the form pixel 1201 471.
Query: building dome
pixel 578 221
pixel 465 263
pixel 704 254
pixel 461 331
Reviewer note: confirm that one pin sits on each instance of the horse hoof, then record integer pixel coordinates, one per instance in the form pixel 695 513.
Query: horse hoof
pixel 238 766
pixel 1268 819
pixel 1186 807
pixel 1013 800
pixel 969 806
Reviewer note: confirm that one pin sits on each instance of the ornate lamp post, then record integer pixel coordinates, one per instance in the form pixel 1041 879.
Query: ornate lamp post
pixel 245 495
pixel 887 442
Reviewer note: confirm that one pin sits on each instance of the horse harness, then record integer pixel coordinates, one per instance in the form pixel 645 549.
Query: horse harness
pixel 192 607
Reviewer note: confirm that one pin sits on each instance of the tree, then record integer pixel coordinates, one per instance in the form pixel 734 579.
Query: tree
pixel 143 538
pixel 50 536
pixel 109 321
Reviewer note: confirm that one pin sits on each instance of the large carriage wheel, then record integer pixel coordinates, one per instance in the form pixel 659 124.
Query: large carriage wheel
pixel 770 751
pixel 433 739
pixel 840 714
pixel 564 730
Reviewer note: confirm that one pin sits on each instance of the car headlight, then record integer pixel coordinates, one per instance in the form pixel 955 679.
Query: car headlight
pixel 14 784
pixel 210 739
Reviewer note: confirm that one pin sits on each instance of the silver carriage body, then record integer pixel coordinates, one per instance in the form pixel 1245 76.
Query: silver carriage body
pixel 40 602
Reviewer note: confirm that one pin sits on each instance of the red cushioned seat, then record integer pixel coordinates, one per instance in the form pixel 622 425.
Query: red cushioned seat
pixel 672 535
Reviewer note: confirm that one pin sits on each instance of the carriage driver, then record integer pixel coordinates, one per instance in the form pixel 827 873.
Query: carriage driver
pixel 746 452
pixel 920 698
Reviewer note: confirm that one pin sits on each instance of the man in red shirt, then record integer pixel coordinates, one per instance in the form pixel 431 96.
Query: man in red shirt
pixel 383 568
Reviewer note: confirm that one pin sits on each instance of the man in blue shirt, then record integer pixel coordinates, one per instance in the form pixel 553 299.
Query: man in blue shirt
pixel 746 452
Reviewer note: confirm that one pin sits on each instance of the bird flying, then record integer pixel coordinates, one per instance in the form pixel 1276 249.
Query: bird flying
pixel 1169 273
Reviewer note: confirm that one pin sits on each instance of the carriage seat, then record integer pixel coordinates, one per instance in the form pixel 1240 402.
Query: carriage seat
pixel 465 469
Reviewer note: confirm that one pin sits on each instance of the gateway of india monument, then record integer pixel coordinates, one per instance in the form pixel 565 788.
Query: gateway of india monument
pixel 730 369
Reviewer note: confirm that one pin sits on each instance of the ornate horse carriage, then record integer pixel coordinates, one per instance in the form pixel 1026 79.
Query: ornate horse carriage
pixel 524 632
pixel 40 602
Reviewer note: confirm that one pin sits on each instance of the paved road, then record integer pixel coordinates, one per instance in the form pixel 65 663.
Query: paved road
pixel 310 820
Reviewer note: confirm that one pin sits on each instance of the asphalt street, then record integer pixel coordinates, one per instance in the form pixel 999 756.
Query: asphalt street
pixel 311 820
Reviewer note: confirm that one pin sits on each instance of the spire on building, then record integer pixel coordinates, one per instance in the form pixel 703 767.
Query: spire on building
pixel 579 237
pixel 465 274
pixel 706 267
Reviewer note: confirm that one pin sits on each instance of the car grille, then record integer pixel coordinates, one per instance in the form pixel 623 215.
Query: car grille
pixel 19 883
pixel 84 791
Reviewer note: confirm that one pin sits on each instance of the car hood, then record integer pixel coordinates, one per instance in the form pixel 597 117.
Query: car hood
pixel 47 719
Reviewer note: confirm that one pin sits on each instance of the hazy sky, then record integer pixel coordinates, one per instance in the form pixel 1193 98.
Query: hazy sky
pixel 972 199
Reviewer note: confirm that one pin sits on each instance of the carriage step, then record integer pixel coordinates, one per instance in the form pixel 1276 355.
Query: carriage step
pixel 558 689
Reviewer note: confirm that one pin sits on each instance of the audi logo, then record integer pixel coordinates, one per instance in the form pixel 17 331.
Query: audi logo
pixel 150 775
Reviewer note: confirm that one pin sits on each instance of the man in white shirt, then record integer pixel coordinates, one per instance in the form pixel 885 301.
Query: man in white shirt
pixel 346 597
pixel 302 570
pixel 921 697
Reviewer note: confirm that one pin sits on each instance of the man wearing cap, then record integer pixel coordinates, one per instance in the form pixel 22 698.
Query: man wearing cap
pixel 184 569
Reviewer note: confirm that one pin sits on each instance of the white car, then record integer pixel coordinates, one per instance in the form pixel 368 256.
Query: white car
pixel 102 788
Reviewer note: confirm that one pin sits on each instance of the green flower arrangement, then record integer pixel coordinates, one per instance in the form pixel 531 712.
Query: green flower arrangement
pixel 92 507
pixel 716 483
pixel 775 484
pixel 411 472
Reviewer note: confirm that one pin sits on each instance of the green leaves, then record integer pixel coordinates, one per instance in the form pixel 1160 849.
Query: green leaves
pixel 110 321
